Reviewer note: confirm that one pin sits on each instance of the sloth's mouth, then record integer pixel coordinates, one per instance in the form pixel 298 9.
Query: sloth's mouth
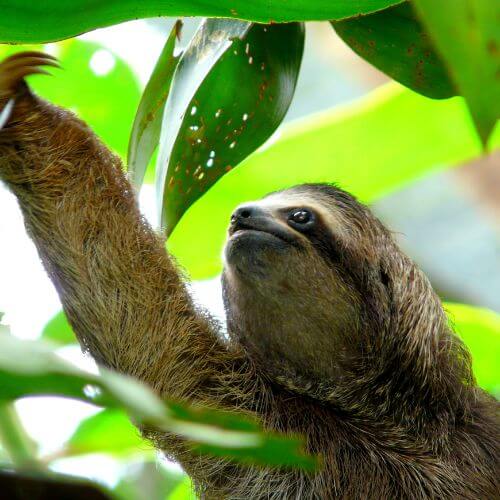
pixel 258 232
pixel 261 227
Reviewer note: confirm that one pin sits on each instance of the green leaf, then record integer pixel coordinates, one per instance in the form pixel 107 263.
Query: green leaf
pixel 24 21
pixel 109 431
pixel 147 124
pixel 395 42
pixel 106 101
pixel 212 39
pixel 32 368
pixel 183 491
pixel 480 330
pixel 206 130
pixel 148 481
pixel 370 147
pixel 58 330
pixel 467 34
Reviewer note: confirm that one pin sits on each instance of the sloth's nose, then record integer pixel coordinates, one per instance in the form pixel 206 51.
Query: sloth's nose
pixel 246 212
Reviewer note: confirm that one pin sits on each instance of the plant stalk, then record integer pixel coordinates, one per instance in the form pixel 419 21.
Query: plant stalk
pixel 15 440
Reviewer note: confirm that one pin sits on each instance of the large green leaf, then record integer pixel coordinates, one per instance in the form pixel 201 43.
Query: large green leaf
pixel 106 101
pixel 480 330
pixel 210 126
pixel 24 21
pixel 146 129
pixel 32 368
pixel 370 147
pixel 395 42
pixel 467 34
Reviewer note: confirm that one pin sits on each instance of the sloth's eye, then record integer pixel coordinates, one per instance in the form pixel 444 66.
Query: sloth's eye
pixel 301 217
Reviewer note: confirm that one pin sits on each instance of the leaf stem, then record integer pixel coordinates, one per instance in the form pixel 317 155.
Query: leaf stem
pixel 15 439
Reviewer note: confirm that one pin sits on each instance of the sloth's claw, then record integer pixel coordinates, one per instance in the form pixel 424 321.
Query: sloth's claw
pixel 13 70
pixel 18 66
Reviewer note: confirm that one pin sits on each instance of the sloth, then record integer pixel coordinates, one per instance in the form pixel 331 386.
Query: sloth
pixel 333 333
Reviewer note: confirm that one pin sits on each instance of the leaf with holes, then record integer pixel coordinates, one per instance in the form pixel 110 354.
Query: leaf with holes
pixel 25 21
pixel 395 42
pixel 147 124
pixel 242 96
pixel 467 35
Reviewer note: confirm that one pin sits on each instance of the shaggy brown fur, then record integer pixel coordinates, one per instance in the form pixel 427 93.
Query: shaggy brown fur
pixel 335 334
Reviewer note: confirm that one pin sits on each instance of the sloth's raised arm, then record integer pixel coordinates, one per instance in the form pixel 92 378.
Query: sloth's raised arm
pixel 120 290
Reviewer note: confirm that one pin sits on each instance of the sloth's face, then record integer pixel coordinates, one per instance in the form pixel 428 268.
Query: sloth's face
pixel 283 234
pixel 267 235
pixel 297 265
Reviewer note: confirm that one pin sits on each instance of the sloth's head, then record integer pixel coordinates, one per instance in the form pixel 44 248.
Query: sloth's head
pixel 310 275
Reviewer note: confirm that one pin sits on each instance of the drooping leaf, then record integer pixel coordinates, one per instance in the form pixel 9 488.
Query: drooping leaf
pixel 109 431
pixel 395 42
pixel 32 368
pixel 146 129
pixel 370 147
pixel 105 97
pixel 24 21
pixel 467 35
pixel 58 330
pixel 221 110
pixel 480 330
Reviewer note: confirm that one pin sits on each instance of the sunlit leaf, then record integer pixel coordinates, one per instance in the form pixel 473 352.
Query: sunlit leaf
pixel 109 431
pixel 32 368
pixel 147 124
pixel 105 97
pixel 212 120
pixel 467 34
pixel 480 330
pixel 370 147
pixel 396 43
pixel 24 21
pixel 59 330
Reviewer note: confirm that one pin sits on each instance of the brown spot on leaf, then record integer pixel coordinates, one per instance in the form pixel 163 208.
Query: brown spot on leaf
pixel 492 47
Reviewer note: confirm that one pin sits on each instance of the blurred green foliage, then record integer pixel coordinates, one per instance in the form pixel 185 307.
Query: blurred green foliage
pixel 371 147
pixel 480 330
